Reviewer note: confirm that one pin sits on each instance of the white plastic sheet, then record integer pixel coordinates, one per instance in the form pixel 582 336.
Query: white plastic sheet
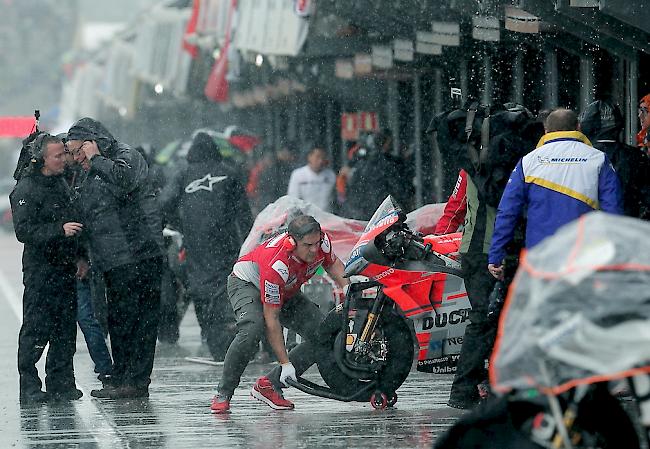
pixel 579 308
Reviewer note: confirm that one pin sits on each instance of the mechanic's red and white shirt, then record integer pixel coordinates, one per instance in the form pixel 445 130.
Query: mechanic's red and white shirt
pixel 456 207
pixel 278 273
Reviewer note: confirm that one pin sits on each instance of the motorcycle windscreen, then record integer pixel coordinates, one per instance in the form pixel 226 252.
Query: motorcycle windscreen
pixel 387 214
pixel 578 310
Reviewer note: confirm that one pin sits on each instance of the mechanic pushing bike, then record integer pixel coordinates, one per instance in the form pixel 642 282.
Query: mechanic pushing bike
pixel 264 290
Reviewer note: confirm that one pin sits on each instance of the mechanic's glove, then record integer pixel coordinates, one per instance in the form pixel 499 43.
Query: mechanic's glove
pixel 288 372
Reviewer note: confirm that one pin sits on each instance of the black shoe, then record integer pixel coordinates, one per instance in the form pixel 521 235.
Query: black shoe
pixel 33 397
pixel 129 392
pixel 106 380
pixel 122 392
pixel 65 395
pixel 462 403
pixel 103 393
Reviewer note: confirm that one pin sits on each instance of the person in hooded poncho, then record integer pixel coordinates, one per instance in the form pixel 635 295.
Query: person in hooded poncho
pixel 124 229
pixel 215 218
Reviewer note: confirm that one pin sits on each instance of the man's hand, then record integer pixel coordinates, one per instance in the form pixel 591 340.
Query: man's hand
pixel 496 271
pixel 82 268
pixel 72 228
pixel 288 372
pixel 90 149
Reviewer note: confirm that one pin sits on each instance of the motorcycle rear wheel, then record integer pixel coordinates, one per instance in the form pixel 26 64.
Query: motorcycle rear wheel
pixel 395 371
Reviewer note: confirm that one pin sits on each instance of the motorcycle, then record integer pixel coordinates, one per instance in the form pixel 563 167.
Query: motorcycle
pixel 413 295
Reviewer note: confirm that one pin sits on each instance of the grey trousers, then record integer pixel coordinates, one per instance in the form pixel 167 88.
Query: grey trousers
pixel 298 314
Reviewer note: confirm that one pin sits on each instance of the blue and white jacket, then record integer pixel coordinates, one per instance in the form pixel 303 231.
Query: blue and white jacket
pixel 556 183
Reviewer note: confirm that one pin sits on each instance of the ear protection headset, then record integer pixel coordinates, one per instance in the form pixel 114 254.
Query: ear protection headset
pixel 299 227
pixel 36 148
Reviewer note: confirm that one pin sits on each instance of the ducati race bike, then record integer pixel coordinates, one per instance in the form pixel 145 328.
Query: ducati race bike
pixel 412 296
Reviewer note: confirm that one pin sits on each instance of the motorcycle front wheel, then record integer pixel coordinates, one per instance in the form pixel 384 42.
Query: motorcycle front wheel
pixel 395 332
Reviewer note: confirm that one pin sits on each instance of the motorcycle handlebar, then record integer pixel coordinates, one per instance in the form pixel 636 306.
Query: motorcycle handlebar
pixel 421 246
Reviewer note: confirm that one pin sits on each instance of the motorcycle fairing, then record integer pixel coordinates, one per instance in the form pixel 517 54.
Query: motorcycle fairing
pixel 436 302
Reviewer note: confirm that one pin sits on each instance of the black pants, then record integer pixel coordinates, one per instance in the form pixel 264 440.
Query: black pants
pixel 168 326
pixel 215 316
pixel 133 295
pixel 49 316
pixel 298 313
pixel 479 334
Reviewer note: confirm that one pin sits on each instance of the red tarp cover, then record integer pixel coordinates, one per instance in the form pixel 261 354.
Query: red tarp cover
pixel 16 126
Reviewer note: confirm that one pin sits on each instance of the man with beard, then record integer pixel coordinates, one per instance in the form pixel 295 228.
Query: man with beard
pixel 45 222
pixel 264 290
pixel 125 238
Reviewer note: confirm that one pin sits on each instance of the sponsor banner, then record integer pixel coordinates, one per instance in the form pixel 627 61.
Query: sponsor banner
pixel 584 3
pixel 446 33
pixel 352 123
pixel 362 64
pixel 272 27
pixel 349 126
pixel 428 49
pixel 521 21
pixel 344 68
pixel 486 29
pixel 403 50
pixel 425 44
pixel 382 56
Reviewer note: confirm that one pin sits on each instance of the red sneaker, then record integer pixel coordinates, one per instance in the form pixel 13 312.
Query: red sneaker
pixel 263 391
pixel 220 404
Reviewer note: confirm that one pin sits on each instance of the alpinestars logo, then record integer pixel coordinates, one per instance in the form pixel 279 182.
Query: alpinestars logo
pixel 282 269
pixel 204 183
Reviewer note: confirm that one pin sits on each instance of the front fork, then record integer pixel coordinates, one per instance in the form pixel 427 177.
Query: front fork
pixel 360 346
pixel 371 320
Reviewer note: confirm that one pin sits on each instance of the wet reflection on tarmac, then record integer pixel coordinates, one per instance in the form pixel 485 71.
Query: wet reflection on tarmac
pixel 177 416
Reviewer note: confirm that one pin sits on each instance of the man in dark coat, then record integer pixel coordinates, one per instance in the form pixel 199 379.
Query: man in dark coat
pixel 215 218
pixel 125 236
pixel 602 123
pixel 375 177
pixel 45 221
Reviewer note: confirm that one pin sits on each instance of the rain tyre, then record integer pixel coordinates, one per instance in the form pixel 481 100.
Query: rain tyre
pixel 395 371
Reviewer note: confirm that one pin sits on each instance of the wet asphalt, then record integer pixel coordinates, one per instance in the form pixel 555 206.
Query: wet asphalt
pixel 177 414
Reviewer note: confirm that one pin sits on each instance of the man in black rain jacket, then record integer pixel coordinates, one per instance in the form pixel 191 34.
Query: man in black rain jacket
pixel 125 235
pixel 45 221
pixel 215 218
pixel 602 123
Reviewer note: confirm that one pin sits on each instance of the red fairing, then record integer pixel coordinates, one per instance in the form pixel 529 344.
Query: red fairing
pixel 444 244
pixel 456 207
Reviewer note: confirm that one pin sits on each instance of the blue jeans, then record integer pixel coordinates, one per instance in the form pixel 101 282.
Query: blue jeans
pixel 92 330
